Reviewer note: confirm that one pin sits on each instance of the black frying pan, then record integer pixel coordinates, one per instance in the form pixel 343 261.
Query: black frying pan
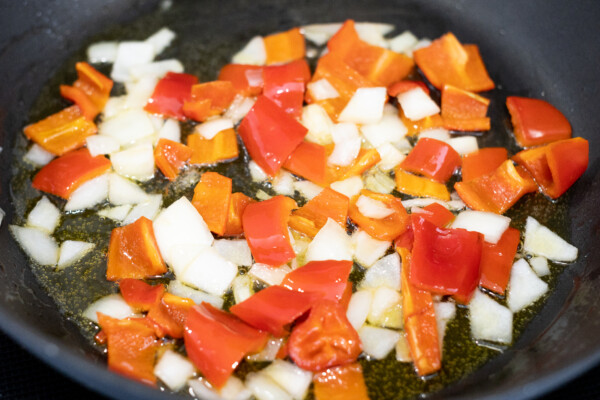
pixel 546 49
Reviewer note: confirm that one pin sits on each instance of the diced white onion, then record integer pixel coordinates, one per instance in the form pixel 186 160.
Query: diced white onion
pixel 283 183
pixel 318 123
pixel 239 108
pixel 177 288
pixel 417 105
pixel 290 377
pixel 140 91
pixel 38 245
pixel 161 39
pixel 307 189
pixel 209 129
pixel 386 308
pixel 123 191
pixel 378 342
pixel 268 274
pixel 372 208
pixel 127 127
pixel 130 54
pixel 136 162
pixel 72 251
pixel 44 216
pixel 403 349
pixel 256 172
pixel 464 144
pixel 349 187
pixel 491 225
pixel 112 305
pixel 209 272
pixel 148 209
pixel 435 133
pixel 322 90
pixel 389 129
pixel 490 321
pixel 390 157
pixel 330 243
pixel 269 352
pixel 385 272
pixel 540 265
pixel 101 144
pixel 174 370
pixel 170 130
pixel 403 43
pixel 233 389
pixel 114 105
pixel 319 34
pixel 347 144
pixel 102 52
pixel 156 69
pixel 359 307
pixel 37 156
pixel 90 193
pixel 365 106
pixel 524 287
pixel 379 182
pixel 445 311
pixel 421 44
pixel 117 213
pixel 373 33
pixel 242 287
pixel 367 249
pixel 541 241
pixel 254 77
pixel 254 53
pixel 236 251
pixel 264 388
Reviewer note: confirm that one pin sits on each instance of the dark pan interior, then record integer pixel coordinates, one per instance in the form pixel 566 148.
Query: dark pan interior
pixel 544 49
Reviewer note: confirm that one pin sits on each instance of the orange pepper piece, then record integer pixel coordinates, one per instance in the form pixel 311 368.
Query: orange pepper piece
pixel 170 157
pixel 243 78
pixel 93 83
pixel 238 204
pixel 285 46
pixel 387 228
pixel 311 217
pixel 344 382
pixel 222 147
pixel 212 197
pixel 419 186
pixel 168 315
pixel 414 127
pixel 366 159
pixel 482 162
pixel 208 99
pixel 133 252
pixel 463 110
pixel 497 260
pixel 308 160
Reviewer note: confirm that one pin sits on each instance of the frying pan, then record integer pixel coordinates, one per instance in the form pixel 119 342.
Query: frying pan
pixel 544 49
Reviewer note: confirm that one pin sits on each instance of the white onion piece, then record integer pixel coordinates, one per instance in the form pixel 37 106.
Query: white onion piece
pixel 161 39
pixel 491 225
pixel 322 90
pixel 242 287
pixel 72 251
pixel 264 388
pixel 44 216
pixel 445 311
pixel 290 377
pixel 233 389
pixel 130 54
pixel 349 187
pixel 417 105
pixel 156 69
pixel 269 352
pixel 403 145
pixel 359 307
pixel 386 308
pixel 170 130
pixel 37 156
pixel 403 43
pixel 372 33
pixel 122 191
pixel 307 189
pixel 101 144
pixel 490 321
pixel 136 162
pixel 390 157
pixel 209 272
pixel 540 265
pixel 254 77
pixel 385 272
pixel 379 182
pixel 365 106
pixel 127 127
pixel 117 213
pixel 347 144
pixel 378 342
pixel 157 123
pixel 435 133
pixel 372 208
pixel 210 128
pixel 102 52
pixel 268 274
pixel 524 287
pixel 261 195
pixel 148 209
pixel 330 243
pixel 239 108
pixel 112 305
pixel 38 245
pixel 319 34
pixel 421 44
pixel 114 105
pixel 403 349
pixel 256 172
pixel 541 241
pixel 180 224
pixel 283 183
pixel 181 255
pixel 174 370
pixel 389 129
pixel 236 251
pixel 464 144
pixel 318 123
pixel 177 288
pixel 90 193
pixel 2 215
pixel 367 249
pixel 254 53
pixel 140 91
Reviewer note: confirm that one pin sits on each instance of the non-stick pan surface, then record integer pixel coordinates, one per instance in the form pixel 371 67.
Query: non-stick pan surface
pixel 544 49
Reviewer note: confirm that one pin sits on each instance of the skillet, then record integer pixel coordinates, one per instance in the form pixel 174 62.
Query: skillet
pixel 542 49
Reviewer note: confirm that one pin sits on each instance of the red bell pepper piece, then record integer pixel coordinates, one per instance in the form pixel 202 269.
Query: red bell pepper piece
pixel 536 121
pixel 212 197
pixel 170 157
pixel 387 228
pixel 445 261
pixel 65 174
pixel 169 314
pixel 437 214
pixel 133 252
pixel 400 87
pixel 270 135
pixel 433 158
pixel 266 230
pixel 497 260
pixel 308 160
pixel 311 217
pixel 140 295
pixel 419 186
pixel 498 191
pixel 463 110
pixel 216 341
pixel 61 132
pixel 326 279
pixel 482 162
pixel 246 79
pixel 345 382
pixel 169 95
pixel 325 339
pixel 557 165
pixel 273 308
pixel 285 84
pixel 222 147
pixel 447 61
pixel 208 99
pixel 132 347
pixel 285 46
pixel 237 205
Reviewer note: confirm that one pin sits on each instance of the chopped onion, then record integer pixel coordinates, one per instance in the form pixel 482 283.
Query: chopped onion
pixel 445 311
pixel 403 349
pixel 44 216
pixel 524 287
pixel 540 265
pixel 290 377
pixel 386 308
pixel 367 249
pixel 147 209
pixel 2 215
pixel 268 274
pixel 236 251
pixel 122 191
pixel 491 225
pixel 136 162
pixel 72 251
pixel 254 53
pixel 140 91
pixel 102 52
pixel 177 288
pixel 435 133
pixel 130 54
pixel 233 389
pixel 541 241
pixel 161 40
pixel 322 90
pixel 174 370
pixel 114 105
pixel 101 144
pixel 156 69
pixel 37 156
pixel 318 123
pixel 283 183
pixel 389 129
pixel 373 33
pixel 307 189
pixel 170 130
pixel 380 182
pixel 90 193
pixel 127 127
pixel 319 34
pixel 490 321
pixel 347 144
pixel 359 307
pixel 254 77
pixel 378 342
pixel 385 272
pixel 210 128
pixel 365 106
pixel 264 388
pixel 269 352
pixel 464 144
pixel 209 272
pixel 390 157
pixel 403 43
pixel 112 305
pixel 417 105
pixel 349 187
pixel 239 108
pixel 256 172
pixel 38 245
pixel 372 208
pixel 421 44
pixel 242 288
pixel 330 243
pixel 117 213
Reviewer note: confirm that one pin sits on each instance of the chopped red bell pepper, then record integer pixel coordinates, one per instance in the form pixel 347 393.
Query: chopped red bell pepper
pixel 463 110
pixel 325 339
pixel 212 197
pixel 557 165
pixel 419 186
pixel 246 79
pixel 536 121
pixel 482 162
pixel 308 160
pixel 285 85
pixel 445 261
pixel 400 87
pixel 498 191
pixel 222 147
pixel 170 157
pixel 132 347
pixel 437 214
pixel 273 308
pixel 345 382
pixel 140 295
pixel 433 158
pixel 270 134
pixel 237 205
pixel 169 314
pixel 387 228
pixel 65 174
pixel 216 341
pixel 78 96
pixel 170 93
pixel 285 46
pixel 326 279
pixel 266 230
pixel 133 252
pixel 311 217
pixel 497 260
pixel 61 132
pixel 208 99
